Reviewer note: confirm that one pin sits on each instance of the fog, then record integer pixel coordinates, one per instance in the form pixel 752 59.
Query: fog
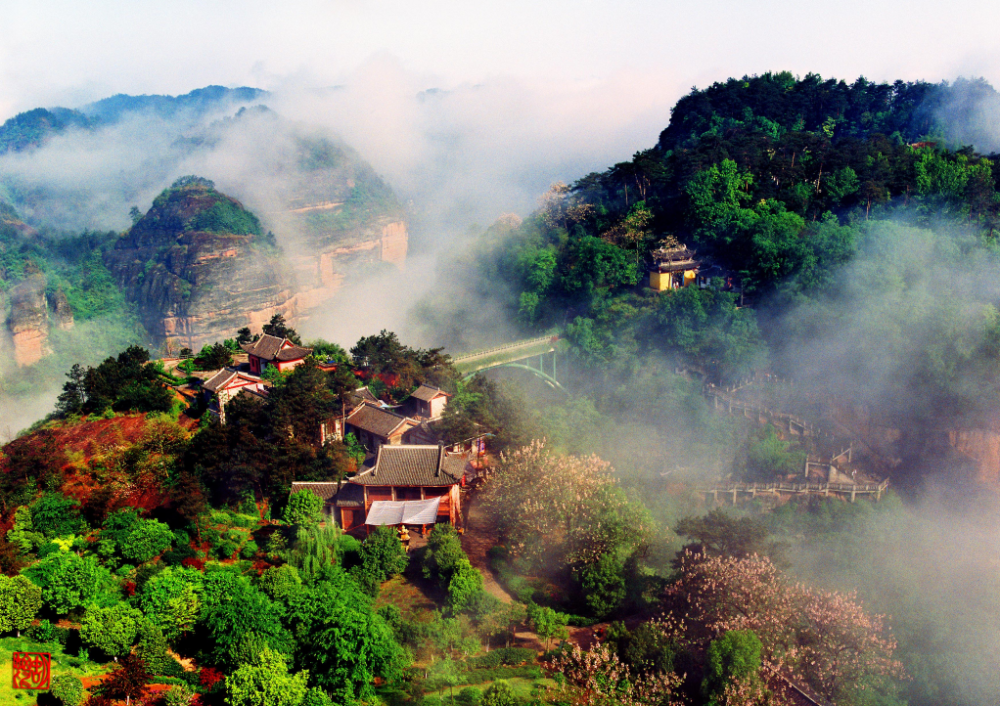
pixel 932 566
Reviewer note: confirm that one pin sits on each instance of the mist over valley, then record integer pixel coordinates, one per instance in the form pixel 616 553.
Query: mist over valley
pixel 413 383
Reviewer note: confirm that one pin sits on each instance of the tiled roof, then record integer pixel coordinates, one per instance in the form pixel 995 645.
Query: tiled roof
pixel 363 393
pixel 412 465
pixel 293 352
pixel 426 393
pixel 224 377
pixel 349 495
pixel 218 380
pixel 377 421
pixel 269 347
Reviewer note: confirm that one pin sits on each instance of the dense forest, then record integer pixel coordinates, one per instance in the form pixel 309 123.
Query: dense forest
pixel 852 237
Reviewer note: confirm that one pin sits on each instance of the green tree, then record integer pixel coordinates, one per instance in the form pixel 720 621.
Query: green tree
pixel 151 647
pixel 280 583
pixel 382 557
pixel 55 515
pixel 278 327
pixel 548 623
pixel 769 456
pixel 23 534
pixel 444 673
pixel 304 509
pixel 444 550
pixel 265 681
pixel 340 639
pixel 215 356
pixel 147 540
pixel 465 583
pixel 69 581
pixel 499 693
pixel 67 689
pixel 720 534
pixel 112 630
pixel 234 610
pixel 602 584
pixel 20 601
pixel 171 600
pixel 733 658
pixel 73 396
pixel 707 328
pixel 636 225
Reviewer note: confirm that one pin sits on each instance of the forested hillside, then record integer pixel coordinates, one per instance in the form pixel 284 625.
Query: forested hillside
pixel 834 207
pixel 603 553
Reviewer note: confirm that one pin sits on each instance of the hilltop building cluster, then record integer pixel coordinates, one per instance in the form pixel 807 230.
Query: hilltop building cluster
pixel 408 478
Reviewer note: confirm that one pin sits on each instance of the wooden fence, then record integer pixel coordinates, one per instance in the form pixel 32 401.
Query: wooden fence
pixel 789 488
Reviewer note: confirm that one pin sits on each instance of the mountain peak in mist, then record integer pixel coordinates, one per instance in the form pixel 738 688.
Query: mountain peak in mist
pixel 198 102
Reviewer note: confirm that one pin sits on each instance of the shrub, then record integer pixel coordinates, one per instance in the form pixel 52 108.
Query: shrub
pixel 209 677
pixel 179 695
pixel 304 509
pixel 147 540
pixel 469 696
pixel 466 582
pixel 249 550
pixel 382 555
pixel 245 521
pixel 225 549
pixel 67 689
pixel 237 535
pixel 220 517
pixel 499 694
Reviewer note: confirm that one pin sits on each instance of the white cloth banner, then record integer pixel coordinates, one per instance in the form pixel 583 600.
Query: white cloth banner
pixel 403 512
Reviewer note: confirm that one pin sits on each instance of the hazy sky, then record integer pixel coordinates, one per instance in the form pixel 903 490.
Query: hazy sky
pixel 68 52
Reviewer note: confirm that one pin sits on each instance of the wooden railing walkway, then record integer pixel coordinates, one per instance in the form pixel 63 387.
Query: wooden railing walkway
pixel 793 423
pixel 735 488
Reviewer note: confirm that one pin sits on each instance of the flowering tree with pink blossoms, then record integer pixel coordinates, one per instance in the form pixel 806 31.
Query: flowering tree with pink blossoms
pixel 604 680
pixel 825 640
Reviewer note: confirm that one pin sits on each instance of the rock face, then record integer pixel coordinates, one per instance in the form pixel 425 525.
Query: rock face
pixel 29 321
pixel 62 310
pixel 322 267
pixel 198 267
pixel 334 215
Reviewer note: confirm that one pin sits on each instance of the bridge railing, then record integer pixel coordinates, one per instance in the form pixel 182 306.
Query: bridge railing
pixel 785 487
pixel 526 343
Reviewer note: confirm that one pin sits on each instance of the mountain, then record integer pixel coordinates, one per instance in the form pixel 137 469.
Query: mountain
pixel 34 127
pixel 196 103
pixel 332 214
pixel 198 266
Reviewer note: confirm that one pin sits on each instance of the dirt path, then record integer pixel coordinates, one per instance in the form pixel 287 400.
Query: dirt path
pixel 476 542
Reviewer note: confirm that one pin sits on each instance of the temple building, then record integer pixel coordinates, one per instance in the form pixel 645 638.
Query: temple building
pixel 271 350
pixel 401 485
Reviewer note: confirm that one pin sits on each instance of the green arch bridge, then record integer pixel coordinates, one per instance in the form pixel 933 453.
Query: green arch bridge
pixel 529 354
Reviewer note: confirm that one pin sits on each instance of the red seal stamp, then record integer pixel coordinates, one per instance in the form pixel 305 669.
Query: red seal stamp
pixel 32 670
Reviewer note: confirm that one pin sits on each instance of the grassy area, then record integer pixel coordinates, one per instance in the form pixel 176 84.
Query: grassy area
pixel 61 664
pixel 410 596
pixel 523 689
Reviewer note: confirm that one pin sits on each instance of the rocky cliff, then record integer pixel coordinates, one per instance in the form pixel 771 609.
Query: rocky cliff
pixel 198 267
pixel 28 320
pixel 333 214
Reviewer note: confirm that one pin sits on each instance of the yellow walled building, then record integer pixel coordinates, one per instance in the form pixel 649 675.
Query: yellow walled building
pixel 673 268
